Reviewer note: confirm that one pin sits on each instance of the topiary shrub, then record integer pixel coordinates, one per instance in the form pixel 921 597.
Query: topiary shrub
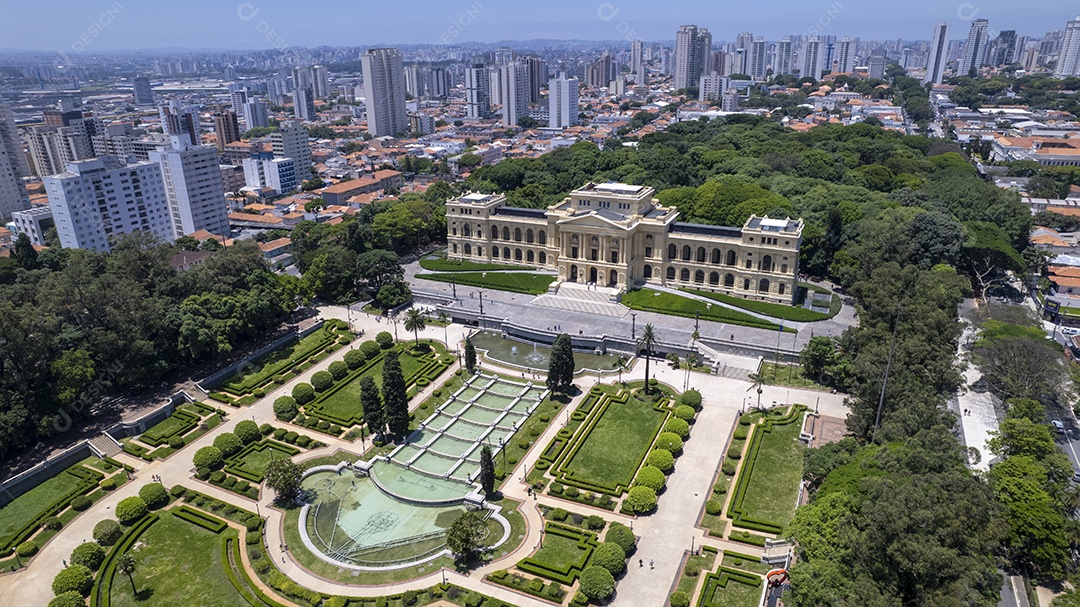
pixel 247 431
pixel 266 429
pixel 662 459
pixel 130 510
pixel 669 441
pixel 218 477
pixel 678 427
pixel 384 339
pixel 107 532
pixel 685 412
pixel 303 441
pixel 651 477
pixel 52 523
pixel 207 457
pixel 571 492
pixel 202 473
pixel 176 442
pixel 290 437
pixel 322 381
pixel 76 578
pixel 68 599
pixel 622 535
pixel 690 398
pixel 228 443
pixel 679 599
pixel 735 450
pixel 720 488
pixel 558 514
pixel 594 522
pixel 713 507
pixel 610 556
pixel 640 500
pixel 354 359
pixel 285 408
pixel 729 466
pixel 338 370
pixel 27 549
pixel 89 554
pixel 597 583
pixel 177 491
pixel 154 494
pixel 107 484
pixel 303 393
pixel 80 503
pixel 370 349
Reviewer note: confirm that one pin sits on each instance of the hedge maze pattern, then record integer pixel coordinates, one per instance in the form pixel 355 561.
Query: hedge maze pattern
pixel 738 515
pixel 720 579
pixel 323 341
pixel 564 573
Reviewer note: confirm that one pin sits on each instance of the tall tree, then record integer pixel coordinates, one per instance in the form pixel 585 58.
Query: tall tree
pixel 283 476
pixel 465 534
pixel 561 366
pixel 487 471
pixel 24 253
pixel 415 322
pixel 648 341
pixel 395 396
pixel 125 564
pixel 372 404
pixel 470 355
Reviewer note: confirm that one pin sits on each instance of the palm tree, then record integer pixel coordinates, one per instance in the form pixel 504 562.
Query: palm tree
pixel 647 342
pixel 445 320
pixel 126 565
pixel 415 322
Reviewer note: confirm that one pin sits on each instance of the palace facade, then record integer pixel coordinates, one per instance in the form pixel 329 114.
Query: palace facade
pixel 617 235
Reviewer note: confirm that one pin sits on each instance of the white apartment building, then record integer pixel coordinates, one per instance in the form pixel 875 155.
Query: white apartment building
pixel 276 173
pixel 96 200
pixel 291 141
pixel 13 166
pixel 33 222
pixel 193 187
pixel 562 102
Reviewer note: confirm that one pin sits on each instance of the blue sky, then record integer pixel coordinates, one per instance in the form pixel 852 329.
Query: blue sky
pixel 231 24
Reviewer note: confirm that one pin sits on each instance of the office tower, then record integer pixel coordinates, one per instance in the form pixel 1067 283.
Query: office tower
pixel 974 48
pixel 759 58
pixel 514 93
pixel 877 64
pixel 13 166
pixel 827 63
pixel 562 102
pixel 384 92
pixel 744 41
pixel 906 58
pixel 845 56
pixel 536 74
pixel 1069 56
pixel 193 187
pixel 636 58
pixel 320 82
pixel 301 77
pixel 93 201
pixel 937 55
pixel 291 141
pixel 143 94
pixel 303 104
pixel 782 62
pixel 226 128
pixel 1003 50
pixel 176 121
pixel 693 48
pixel 504 55
pixel 811 58
pixel 712 87
pixel 477 97
pixel 237 99
pixel 276 173
pixel 255 114
pixel 414 85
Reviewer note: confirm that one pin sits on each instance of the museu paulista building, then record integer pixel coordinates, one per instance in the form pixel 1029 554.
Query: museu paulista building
pixel 617 235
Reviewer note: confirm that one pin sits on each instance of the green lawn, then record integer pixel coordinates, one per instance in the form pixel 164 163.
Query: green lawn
pixel 263 369
pixel 775 475
pixel 560 552
pixel 677 305
pixel 178 563
pixel 763 307
pixel 788 375
pixel 253 461
pixel 345 402
pixel 521 282
pixel 25 509
pixel 612 452
pixel 834 302
pixel 745 562
pixel 442 264
pixel 705 562
pixel 733 594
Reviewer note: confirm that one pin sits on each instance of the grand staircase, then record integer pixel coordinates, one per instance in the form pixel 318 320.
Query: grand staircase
pixel 104 445
pixel 579 298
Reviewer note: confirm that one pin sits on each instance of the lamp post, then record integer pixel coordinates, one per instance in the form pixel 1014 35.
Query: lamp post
pixel 481 303
pixel 395 328
pixel 633 325
pixel 697 320
pixel 453 287
pixel 443 571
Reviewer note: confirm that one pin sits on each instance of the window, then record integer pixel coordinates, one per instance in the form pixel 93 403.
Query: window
pixel 506 252
pixel 781 288
pixel 573 252
pixel 517 254
pixel 716 256
pixel 614 257
pixel 543 257
pixel 529 236
pixel 468 249
pixel 746 284
pixel 495 252
pixel 494 233
pixel 766 264
pixel 506 233
pixel 648 251
pixel 714 278
pixel 517 234
pixel 731 258
pixel 684 275
pixel 701 255
pixel 686 252
pixel 749 264
pixel 763 285
pixel 529 256
pixel 670 273
pixel 672 251
pixel 542 238
pixel 699 276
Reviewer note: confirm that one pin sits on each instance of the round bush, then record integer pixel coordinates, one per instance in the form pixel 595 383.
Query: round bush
pixel 258 393
pixel 558 514
pixel 154 494
pixel 52 523
pixel 594 522
pixel 107 484
pixel 218 477
pixel 80 503
pixel 130 509
pixel 27 549
pixel 88 554
pixel 678 427
pixel 719 488
pixel 735 450
pixel 266 429
pixel 176 442
pixel 76 578
pixel 370 349
pixel 685 412
pixel 653 381
pixel 640 500
pixel 669 441
pixel 610 556
pixel 68 599
pixel 692 569
pixel 713 507
pixel 651 477
pixel 384 339
pixel 571 492
pixel 338 369
pixel 690 398
pixel 303 393
pixel 107 532
pixel 228 443
pixel 354 359
pixel 597 583
pixel 729 467
pixel 285 408
pixel 253 523
pixel 322 381
pixel 662 459
pixel 207 457
pixel 679 599
pixel 247 431
pixel 177 491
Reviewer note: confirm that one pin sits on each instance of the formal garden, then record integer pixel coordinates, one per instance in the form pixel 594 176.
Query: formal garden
pixel 714 578
pixel 188 422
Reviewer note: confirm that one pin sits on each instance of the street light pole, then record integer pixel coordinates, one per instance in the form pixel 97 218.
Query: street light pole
pixel 453 285
pixel 697 320
pixel 481 303
pixel 633 325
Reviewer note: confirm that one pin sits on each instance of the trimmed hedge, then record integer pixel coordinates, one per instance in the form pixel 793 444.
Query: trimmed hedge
pixel 130 510
pixel 199 518
pixel 651 477
pixel 86 481
pixel 739 517
pixel 720 579
pixel 639 500
pixel 74 578
pixel 570 571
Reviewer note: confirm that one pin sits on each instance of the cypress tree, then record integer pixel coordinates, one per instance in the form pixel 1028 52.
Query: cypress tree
pixel 395 398
pixel 470 356
pixel 487 471
pixel 561 367
pixel 372 405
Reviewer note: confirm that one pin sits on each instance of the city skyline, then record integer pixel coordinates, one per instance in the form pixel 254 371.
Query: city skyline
pixel 116 26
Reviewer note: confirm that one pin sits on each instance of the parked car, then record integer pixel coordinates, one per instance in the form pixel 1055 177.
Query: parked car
pixel 1076 477
pixel 1070 331
pixel 1058 426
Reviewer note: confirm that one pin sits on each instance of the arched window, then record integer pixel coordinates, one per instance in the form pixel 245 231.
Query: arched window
pixel 648 271
pixel 672 251
pixel 781 288
pixel 542 237
pixel 731 257
pixel 671 272
pixel 506 233
pixel 766 263
pixel 686 252
pixel 716 256
pixel 543 257
pixel 701 255
pixel 468 249
pixel 529 257
pixel 763 285
pixel 714 278
pixel 746 284
pixel 684 275
pixel 480 251
pixel 517 234
pixel 494 233
pixel 517 254
pixel 529 236
pixel 506 252
pixel 594 240
pixel 699 276
pixel 455 248
pixel 495 252
pixel 466 231
pixel 729 280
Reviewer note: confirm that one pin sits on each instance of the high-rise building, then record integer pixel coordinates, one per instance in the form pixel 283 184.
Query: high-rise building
pixel 782 62
pixel 177 121
pixel 937 54
pixel 1069 56
pixel 477 94
pixel 514 93
pixel 601 72
pixel 320 82
pixel 414 84
pixel 693 48
pixel 304 104
pixel 291 141
pixel 811 58
pixel 276 173
pixel 712 87
pixel 226 128
pixel 13 166
pixel 562 102
pixel 301 77
pixel 384 92
pixel 52 148
pixel 193 187
pixel 845 56
pixel 141 91
pixel 974 48
pixel 255 114
pixel 536 74
pixel 93 201
pixel 441 82
pixel 637 60
pixel 759 58
pixel 1003 50
pixel 876 67
pixel 744 41
pixel 237 98
pixel 494 84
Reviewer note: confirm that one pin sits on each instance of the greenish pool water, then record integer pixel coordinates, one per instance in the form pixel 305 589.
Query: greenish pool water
pixel 535 356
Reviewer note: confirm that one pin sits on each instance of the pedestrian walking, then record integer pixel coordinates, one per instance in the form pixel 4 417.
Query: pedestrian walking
pixel 651 564
pixel 640 563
